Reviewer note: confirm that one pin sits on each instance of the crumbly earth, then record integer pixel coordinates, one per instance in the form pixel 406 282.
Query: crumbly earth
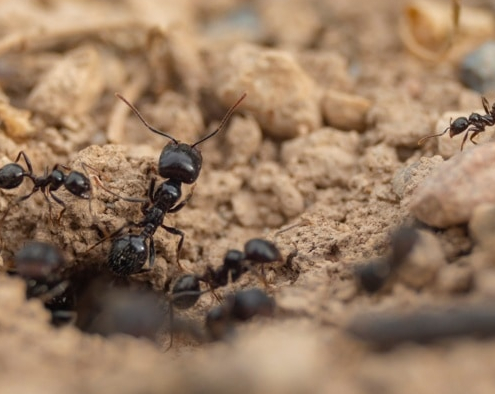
pixel 321 158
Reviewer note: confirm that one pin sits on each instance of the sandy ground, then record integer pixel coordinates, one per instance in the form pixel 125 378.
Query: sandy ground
pixel 321 158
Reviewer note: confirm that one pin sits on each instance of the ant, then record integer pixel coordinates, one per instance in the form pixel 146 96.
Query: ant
pixel 180 163
pixel 13 174
pixel 461 124
pixel 186 290
pixel 40 264
pixel 241 306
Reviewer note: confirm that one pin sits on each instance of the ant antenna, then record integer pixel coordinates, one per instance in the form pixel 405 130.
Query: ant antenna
pixel 422 140
pixel 151 128
pixel 222 123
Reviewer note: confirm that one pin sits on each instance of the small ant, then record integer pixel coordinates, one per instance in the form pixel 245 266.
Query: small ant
pixel 180 163
pixel 461 124
pixel 12 175
pixel 241 306
pixel 186 291
pixel 40 264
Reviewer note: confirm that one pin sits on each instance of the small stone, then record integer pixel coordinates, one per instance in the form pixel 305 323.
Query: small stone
pixel 243 138
pixel 477 70
pixel 284 110
pixel 345 111
pixel 72 86
pixel 451 193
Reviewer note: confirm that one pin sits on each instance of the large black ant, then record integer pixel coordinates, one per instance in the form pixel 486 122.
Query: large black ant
pixel 40 265
pixel 180 163
pixel 13 174
pixel 477 122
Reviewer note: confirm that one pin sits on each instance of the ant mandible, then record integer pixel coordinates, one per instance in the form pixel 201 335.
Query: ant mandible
pixel 477 122
pixel 13 174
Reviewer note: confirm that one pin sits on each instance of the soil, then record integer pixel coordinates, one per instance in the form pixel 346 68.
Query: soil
pixel 321 157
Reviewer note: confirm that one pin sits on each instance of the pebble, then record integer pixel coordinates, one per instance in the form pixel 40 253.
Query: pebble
pixel 72 86
pixel 451 193
pixel 345 111
pixel 281 96
pixel 477 70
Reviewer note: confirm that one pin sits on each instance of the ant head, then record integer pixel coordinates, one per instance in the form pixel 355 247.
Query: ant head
pixel 261 251
pixel 181 162
pixel 38 260
pixel 78 184
pixel 458 126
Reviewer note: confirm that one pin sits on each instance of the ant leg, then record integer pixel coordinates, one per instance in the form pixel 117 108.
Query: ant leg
pixel 465 139
pixel 17 201
pixel 486 105
pixel 261 276
pixel 176 231
pixel 120 197
pixel 29 173
pixel 58 201
pixel 111 235
pixel 475 133
pixel 151 253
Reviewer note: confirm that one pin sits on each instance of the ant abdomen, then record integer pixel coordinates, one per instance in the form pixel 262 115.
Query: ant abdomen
pixel 11 176
pixel 128 255
pixel 261 251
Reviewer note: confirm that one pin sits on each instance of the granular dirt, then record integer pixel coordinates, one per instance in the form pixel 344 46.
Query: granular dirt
pixel 321 158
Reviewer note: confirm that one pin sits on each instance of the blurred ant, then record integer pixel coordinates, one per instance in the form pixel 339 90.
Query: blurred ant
pixel 40 265
pixel 186 291
pixel 373 275
pixel 180 163
pixel 241 306
pixel 13 174
pixel 461 124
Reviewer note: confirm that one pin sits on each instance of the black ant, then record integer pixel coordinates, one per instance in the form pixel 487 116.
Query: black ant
pixel 40 265
pixel 241 306
pixel 186 291
pixel 461 124
pixel 12 175
pixel 180 163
